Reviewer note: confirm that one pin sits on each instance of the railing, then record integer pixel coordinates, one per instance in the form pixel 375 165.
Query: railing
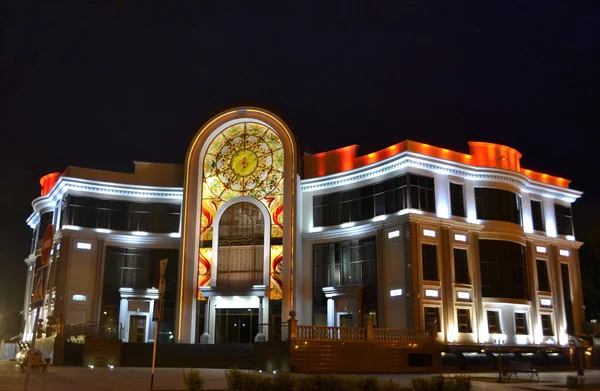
pixel 274 332
pixel 93 330
pixel 332 333
pixel 400 335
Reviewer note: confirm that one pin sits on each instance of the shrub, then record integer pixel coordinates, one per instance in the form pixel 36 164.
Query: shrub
pixel 246 381
pixel 390 385
pixel 282 381
pixel 441 383
pixel 575 381
pixel 193 381
pixel 369 384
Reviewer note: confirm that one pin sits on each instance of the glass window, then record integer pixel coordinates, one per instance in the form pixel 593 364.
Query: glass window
pixel 432 318
pixel 564 220
pixel 382 198
pixel 457 200
pixel 429 257
pixel 493 318
pixel 521 323
pixel 542 274
pixel 547 325
pixel 45 221
pixel 566 283
pixel 537 216
pixel 461 266
pixel 497 204
pixel 464 320
pixel 503 269
pixel 122 215
pixel 422 193
pixel 350 262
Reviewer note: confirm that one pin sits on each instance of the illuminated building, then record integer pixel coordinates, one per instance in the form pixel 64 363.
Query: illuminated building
pixel 406 237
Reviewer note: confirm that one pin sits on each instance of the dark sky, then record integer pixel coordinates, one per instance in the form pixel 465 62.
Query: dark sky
pixel 102 83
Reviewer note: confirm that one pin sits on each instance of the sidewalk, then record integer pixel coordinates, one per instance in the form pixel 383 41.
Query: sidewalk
pixel 138 379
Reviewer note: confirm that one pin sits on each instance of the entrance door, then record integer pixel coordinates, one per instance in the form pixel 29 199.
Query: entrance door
pixel 137 329
pixel 236 325
pixel 346 320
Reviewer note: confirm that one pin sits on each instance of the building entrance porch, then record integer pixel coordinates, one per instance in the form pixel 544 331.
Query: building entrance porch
pixel 236 325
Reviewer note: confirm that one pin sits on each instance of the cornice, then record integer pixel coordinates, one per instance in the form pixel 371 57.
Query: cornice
pixel 411 159
pixel 558 241
pixel 122 237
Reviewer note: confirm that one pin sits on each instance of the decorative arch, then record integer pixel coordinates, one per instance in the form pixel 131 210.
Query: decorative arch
pixel 194 197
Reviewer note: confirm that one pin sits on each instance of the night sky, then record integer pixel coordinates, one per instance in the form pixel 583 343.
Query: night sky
pixel 102 83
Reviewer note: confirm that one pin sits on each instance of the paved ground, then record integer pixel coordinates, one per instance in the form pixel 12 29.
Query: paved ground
pixel 138 379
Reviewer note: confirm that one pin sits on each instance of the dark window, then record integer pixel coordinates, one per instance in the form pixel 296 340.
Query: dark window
pixel 432 318
pixel 503 269
pixel 461 266
pixel 382 198
pixel 352 262
pixel 121 215
pixel 430 268
pixel 564 220
pixel 422 193
pixel 566 283
pixel 496 204
pixel 521 323
pixel 493 318
pixel 542 274
pixel 536 215
pixel 45 221
pixel 464 320
pixel 547 325
pixel 457 200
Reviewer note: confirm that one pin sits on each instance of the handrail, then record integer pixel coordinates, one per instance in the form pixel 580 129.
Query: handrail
pixel 361 334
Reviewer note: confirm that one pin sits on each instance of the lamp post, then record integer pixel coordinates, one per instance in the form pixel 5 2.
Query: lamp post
pixel 499 339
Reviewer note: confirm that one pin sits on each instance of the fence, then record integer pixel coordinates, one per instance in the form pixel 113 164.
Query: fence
pixel 369 333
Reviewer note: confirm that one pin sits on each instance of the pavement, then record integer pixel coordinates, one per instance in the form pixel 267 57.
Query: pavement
pixel 138 379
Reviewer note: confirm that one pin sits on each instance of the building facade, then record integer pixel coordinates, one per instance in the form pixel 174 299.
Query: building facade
pixel 472 246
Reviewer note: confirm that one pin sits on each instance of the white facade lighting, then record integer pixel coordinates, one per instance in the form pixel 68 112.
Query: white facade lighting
pixel 395 292
pixel 103 230
pixel 175 235
pixel 139 233
pixel 540 249
pixel 348 225
pixel 84 246
pixel 564 253
pixel 462 295
pixel 393 234
pixel 71 227
pixel 460 237
pixel 432 293
pixel 429 232
pixel 571 237
pixel 79 297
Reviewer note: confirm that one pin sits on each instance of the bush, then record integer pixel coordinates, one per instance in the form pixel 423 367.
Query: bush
pixel 193 381
pixel 390 385
pixel 441 383
pixel 282 381
pixel 575 381
pixel 245 381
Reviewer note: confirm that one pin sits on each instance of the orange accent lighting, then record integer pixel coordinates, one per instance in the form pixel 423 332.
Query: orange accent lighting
pixel 48 182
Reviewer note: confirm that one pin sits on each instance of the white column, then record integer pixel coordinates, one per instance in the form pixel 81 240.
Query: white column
pixel 123 319
pixel 205 337
pixel 330 312
pixel 261 337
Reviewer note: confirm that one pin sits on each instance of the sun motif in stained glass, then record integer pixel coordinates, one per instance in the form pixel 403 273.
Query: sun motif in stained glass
pixel 244 159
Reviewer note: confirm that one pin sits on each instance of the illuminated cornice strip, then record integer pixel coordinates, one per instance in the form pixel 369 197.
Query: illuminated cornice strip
pixel 411 159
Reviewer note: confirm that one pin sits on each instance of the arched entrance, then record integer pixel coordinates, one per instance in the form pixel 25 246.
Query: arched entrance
pixel 239 210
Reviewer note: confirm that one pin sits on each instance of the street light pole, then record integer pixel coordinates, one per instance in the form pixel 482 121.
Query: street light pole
pixel 499 339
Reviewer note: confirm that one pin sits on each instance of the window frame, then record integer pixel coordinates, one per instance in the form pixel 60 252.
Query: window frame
pixel 498 318
pixel 463 199
pixel 525 327
pixel 542 223
pixel 466 312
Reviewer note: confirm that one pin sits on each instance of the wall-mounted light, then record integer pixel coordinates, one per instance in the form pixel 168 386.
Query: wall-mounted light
pixel 462 295
pixel 564 253
pixel 460 237
pixel 429 232
pixel 546 302
pixel 393 234
pixel 395 292
pixel 79 297
pixel 432 293
pixel 540 249
pixel 84 246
